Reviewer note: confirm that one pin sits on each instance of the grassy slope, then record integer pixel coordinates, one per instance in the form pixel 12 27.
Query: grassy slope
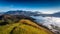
pixel 23 27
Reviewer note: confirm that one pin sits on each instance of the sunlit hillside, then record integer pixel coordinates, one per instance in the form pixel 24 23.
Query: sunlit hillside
pixel 23 27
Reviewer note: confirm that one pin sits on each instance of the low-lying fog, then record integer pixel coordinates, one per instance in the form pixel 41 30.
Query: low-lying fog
pixel 48 22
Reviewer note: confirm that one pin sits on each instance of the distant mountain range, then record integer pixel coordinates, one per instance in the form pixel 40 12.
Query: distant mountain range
pixel 30 13
pixel 51 15
pixel 56 14
pixel 2 13
pixel 20 12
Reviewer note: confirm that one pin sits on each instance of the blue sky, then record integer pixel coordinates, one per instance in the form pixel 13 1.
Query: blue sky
pixel 46 6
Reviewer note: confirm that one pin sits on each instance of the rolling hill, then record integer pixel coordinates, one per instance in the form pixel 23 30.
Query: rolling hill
pixel 24 26
pixel 21 24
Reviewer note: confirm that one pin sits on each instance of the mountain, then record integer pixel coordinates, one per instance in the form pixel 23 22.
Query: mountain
pixel 30 13
pixel 24 26
pixel 20 24
pixel 2 13
pixel 6 19
pixel 20 12
pixel 56 14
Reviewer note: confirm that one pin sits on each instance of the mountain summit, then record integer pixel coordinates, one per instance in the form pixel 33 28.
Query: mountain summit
pixel 20 12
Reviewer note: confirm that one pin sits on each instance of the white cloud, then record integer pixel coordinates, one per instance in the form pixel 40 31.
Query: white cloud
pixel 47 12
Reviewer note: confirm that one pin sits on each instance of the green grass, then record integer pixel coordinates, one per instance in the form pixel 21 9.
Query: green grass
pixel 7 28
pixel 25 29
pixel 22 28
pixel 1 21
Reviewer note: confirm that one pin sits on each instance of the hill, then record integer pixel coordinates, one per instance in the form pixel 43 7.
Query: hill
pixel 20 24
pixel 9 19
pixel 24 26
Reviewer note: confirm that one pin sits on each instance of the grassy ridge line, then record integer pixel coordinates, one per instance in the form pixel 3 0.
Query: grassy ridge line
pixel 27 25
pixel 24 21
pixel 26 29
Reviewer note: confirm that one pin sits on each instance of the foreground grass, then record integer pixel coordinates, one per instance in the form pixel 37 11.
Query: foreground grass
pixel 6 29
pixel 23 27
